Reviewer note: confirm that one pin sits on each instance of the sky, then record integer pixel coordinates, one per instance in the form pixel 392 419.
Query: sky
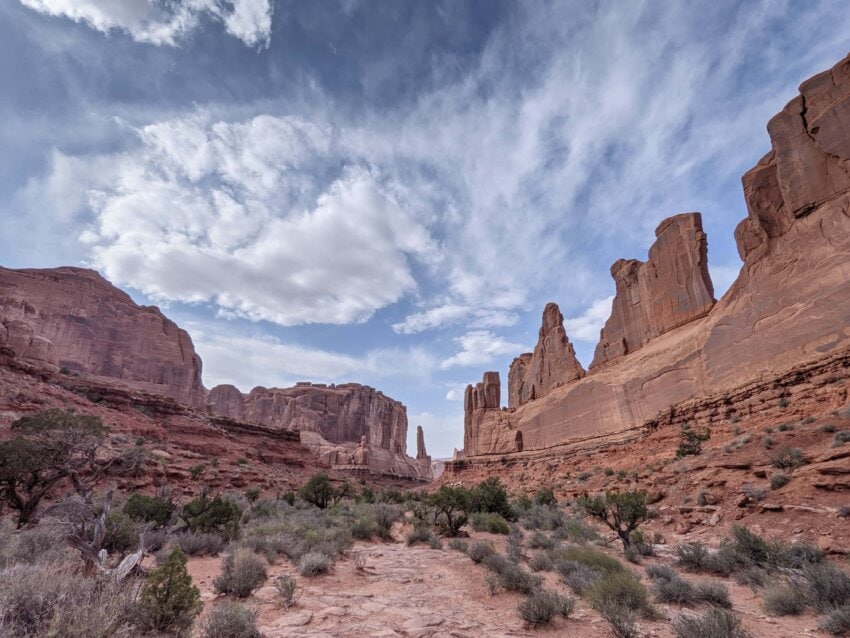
pixel 385 192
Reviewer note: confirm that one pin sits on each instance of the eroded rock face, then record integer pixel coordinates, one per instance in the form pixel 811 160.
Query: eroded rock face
pixel 667 344
pixel 670 289
pixel 552 364
pixel 420 444
pixel 487 429
pixel 74 318
pixel 340 416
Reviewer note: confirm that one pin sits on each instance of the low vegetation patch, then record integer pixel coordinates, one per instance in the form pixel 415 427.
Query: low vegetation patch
pixel 542 605
pixel 230 620
pixel 715 623
pixel 242 572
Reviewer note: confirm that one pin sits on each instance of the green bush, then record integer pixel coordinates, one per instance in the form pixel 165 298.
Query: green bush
pixel 623 588
pixel 715 623
pixel 363 528
pixel 489 522
pixel 539 607
pixel 215 515
pixel 674 589
pixel 829 587
pixel 478 551
pixel 511 576
pixel 621 619
pixel 168 600
pixel 385 515
pixel 451 504
pixel 286 587
pixel 539 540
pixel 779 480
pixel 545 496
pixel 578 577
pixel 242 571
pixel 148 509
pixel 314 563
pixel 837 621
pixel 459 545
pixel 788 458
pixel 784 601
pixel 541 562
pixel 622 512
pixel 318 491
pixel 690 441
pixel 490 496
pixel 199 544
pixel 230 620
pixel 714 594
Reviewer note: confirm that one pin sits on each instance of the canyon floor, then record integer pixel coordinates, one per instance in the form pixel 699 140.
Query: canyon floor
pixel 419 592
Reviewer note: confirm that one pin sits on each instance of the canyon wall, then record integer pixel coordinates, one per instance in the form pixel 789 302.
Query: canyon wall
pixel 668 344
pixel 73 318
pixel 344 425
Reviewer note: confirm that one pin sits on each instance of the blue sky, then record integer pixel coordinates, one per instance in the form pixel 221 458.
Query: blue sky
pixel 385 192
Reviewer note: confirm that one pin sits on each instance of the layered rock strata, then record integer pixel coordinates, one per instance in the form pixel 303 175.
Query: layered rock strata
pixel 74 318
pixel 667 343
pixel 344 425
pixel 552 364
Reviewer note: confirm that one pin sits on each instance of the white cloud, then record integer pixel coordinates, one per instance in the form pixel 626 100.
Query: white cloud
pixel 478 347
pixel 159 23
pixel 451 314
pixel 233 214
pixel 249 360
pixel 587 325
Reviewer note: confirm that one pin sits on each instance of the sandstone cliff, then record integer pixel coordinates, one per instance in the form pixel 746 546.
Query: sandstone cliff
pixel 332 420
pixel 74 318
pixel 668 343
pixel 552 364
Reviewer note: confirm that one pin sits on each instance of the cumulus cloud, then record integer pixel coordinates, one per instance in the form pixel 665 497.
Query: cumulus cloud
pixel 158 23
pixel 588 324
pixel 478 347
pixel 451 314
pixel 246 216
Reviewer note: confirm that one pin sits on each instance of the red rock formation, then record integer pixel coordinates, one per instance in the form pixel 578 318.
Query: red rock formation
pixel 671 289
pixel 552 364
pixel 420 444
pixel 667 343
pixel 335 416
pixel 74 318
pixel 486 427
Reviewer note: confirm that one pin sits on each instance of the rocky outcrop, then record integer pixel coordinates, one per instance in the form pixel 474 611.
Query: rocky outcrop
pixel 73 318
pixel 668 344
pixel 668 290
pixel 552 364
pixel 420 444
pixel 346 425
pixel 486 427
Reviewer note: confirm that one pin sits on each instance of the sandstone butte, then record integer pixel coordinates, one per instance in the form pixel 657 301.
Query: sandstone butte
pixel 72 319
pixel 671 354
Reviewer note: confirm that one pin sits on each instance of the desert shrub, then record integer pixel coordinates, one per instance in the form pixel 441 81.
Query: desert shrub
pixel 778 480
pixel 641 544
pixel 768 442
pixel 230 620
pixel 515 546
pixel 451 504
pixel 594 559
pixel 754 492
pixel 674 590
pixel 622 512
pixel 798 555
pixel 242 571
pixel 545 496
pixel 478 551
pixel 318 491
pixel 752 576
pixel 490 496
pixel 539 607
pixel 828 586
pixel 359 560
pixel 784 601
pixel 212 515
pixel 715 623
pixel 385 515
pixel 750 548
pixel 512 576
pixel 623 588
pixel 632 555
pixel 434 542
pixel 714 594
pixel 841 438
pixel 121 534
pixel 38 600
pixel 837 621
pixel 168 600
pixel 690 441
pixel 41 544
pixel 148 509
pixel 621 618
pixel 459 545
pixel 539 540
pixel 363 528
pixel 419 534
pixel 286 587
pixel 577 576
pixel 692 556
pixel 661 572
pixel 314 563
pixel 828 428
pixel 489 522
pixel 541 562
pixel 198 544
pixel 788 458
pixel 785 427
pixel 844 511
pixel 544 517
pixel 579 532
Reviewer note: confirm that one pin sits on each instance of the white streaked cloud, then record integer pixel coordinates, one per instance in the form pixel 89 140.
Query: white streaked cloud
pixel 479 347
pixel 588 324
pixel 165 23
